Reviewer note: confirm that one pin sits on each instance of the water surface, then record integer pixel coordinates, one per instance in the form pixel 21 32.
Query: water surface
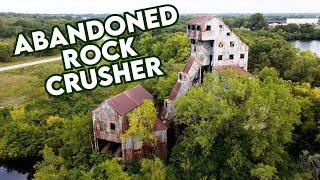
pixel 17 170
pixel 313 45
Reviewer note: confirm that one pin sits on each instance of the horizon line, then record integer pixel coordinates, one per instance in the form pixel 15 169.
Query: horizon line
pixel 235 13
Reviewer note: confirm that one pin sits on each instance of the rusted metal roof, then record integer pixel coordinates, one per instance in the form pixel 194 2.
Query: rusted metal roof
pixel 188 65
pixel 129 100
pixel 160 125
pixel 237 69
pixel 175 90
pixel 200 19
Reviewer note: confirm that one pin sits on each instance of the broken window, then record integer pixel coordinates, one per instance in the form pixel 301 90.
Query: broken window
pixel 198 28
pixel 220 57
pixel 220 26
pixel 242 56
pixel 228 34
pixel 189 27
pixel 210 57
pixel 195 49
pixel 211 43
pixel 231 44
pixel 193 27
pixel 180 76
pixel 208 28
pixel 231 56
pixel 112 126
pixel 220 44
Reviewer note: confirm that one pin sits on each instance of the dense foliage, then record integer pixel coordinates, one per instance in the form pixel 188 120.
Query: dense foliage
pixel 233 127
pixel 302 32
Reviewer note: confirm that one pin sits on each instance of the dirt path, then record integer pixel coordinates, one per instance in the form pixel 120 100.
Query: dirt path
pixel 6 68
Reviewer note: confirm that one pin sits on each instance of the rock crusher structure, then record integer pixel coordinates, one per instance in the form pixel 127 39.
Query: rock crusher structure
pixel 214 47
pixel 110 122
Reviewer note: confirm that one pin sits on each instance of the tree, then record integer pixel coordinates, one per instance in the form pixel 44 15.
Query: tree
pixel 6 49
pixel 263 172
pixel 20 135
pixel 250 121
pixel 141 122
pixel 173 46
pixel 144 46
pixel 52 166
pixel 164 86
pixel 77 141
pixel 306 134
pixel 257 22
pixel 176 47
pixel 269 50
pixel 109 169
pixel 311 163
pixel 152 169
pixel 306 69
pixel 237 22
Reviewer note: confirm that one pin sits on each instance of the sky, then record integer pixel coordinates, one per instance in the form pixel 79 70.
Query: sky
pixel 184 6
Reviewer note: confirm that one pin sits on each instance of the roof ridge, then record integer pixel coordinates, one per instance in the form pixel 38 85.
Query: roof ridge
pixel 122 92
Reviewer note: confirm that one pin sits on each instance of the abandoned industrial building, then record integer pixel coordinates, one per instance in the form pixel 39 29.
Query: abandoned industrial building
pixel 214 47
pixel 110 122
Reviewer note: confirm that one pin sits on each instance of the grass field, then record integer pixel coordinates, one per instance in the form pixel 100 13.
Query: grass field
pixel 21 85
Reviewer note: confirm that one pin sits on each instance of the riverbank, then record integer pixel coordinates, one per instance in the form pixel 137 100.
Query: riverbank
pixel 313 45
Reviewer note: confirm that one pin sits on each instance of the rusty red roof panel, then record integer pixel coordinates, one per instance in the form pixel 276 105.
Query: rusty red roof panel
pixel 129 100
pixel 188 65
pixel 237 69
pixel 160 125
pixel 175 90
pixel 200 19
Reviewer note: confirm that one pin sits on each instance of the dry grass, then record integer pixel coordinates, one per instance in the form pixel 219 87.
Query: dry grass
pixel 19 86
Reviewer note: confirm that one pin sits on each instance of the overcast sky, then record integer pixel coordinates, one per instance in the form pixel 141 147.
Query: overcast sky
pixel 184 6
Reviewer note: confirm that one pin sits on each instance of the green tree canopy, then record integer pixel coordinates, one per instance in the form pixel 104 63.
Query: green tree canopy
pixel 141 122
pixel 233 124
pixel 257 22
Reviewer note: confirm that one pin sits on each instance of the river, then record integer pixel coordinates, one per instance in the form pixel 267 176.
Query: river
pixel 17 170
pixel 313 45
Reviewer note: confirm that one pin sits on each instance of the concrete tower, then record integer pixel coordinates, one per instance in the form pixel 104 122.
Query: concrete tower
pixel 214 47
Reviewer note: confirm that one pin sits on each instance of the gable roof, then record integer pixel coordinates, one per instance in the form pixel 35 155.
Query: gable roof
pixel 175 90
pixel 187 67
pixel 129 100
pixel 200 20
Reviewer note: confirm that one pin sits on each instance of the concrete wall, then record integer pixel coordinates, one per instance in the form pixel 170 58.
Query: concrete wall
pixel 220 33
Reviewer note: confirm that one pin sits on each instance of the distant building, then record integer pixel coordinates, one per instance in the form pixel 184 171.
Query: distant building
pixel 214 47
pixel 110 122
pixel 274 23
pixel 298 21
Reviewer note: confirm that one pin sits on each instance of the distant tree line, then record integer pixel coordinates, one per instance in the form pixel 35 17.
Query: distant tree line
pixel 254 22
pixel 298 32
